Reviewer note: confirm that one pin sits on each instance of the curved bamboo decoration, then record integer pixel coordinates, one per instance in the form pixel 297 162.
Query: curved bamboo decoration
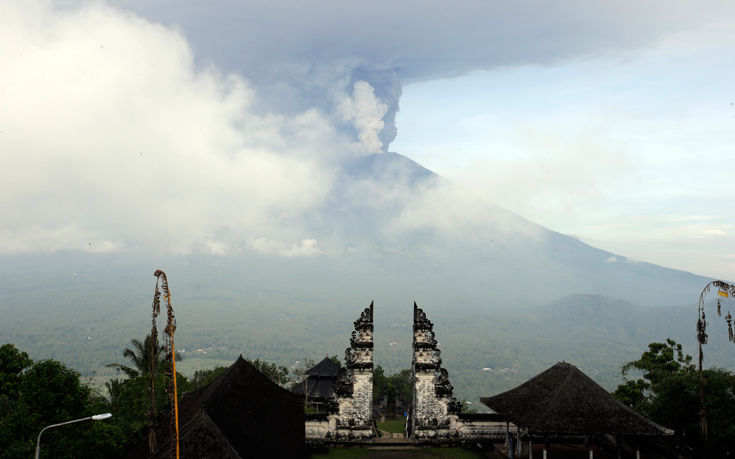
pixel 171 388
pixel 724 289
pixel 152 443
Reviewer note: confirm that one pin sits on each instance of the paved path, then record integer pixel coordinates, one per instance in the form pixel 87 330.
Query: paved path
pixel 391 438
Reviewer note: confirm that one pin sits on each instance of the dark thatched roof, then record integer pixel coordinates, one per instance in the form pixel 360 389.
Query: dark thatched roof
pixel 240 414
pixel 320 380
pixel 319 388
pixel 564 401
pixel 325 369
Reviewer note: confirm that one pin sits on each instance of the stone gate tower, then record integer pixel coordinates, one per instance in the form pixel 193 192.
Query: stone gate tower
pixel 435 414
pixel 434 410
pixel 354 389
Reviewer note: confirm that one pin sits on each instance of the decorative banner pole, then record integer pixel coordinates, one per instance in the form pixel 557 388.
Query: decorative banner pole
pixel 726 290
pixel 152 446
pixel 171 389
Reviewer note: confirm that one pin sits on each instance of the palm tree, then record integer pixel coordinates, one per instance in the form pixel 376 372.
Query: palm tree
pixel 114 388
pixel 140 355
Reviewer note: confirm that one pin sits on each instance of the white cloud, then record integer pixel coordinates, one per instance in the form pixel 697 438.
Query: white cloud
pixel 623 151
pixel 111 135
pixel 305 248
pixel 422 39
pixel 459 214
pixel 300 54
pixel 113 131
pixel 36 238
pixel 216 247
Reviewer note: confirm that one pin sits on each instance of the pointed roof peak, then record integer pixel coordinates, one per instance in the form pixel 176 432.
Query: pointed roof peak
pixel 325 368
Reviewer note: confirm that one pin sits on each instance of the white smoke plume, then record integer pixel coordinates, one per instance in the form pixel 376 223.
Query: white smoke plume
pixel 366 113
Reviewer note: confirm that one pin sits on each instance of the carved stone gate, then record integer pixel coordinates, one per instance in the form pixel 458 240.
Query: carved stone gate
pixel 434 411
pixel 350 415
pixel 435 414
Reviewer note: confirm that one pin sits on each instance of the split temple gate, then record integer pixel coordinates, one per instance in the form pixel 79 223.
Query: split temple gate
pixel 435 414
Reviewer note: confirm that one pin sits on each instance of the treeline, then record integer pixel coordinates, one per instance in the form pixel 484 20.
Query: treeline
pixel 667 391
pixel 34 395
pixel 398 386
pixel 485 352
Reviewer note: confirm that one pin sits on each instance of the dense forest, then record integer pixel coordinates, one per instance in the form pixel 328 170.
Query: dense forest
pixel 662 384
pixel 669 390
pixel 485 351
pixel 34 395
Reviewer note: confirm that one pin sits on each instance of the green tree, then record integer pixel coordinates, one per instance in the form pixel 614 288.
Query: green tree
pixel 466 407
pixel 335 360
pixel 660 361
pixel 130 397
pixel 380 383
pixel 131 402
pixel 399 384
pixel 402 385
pixel 50 393
pixel 668 393
pixel 140 356
pixel 12 364
pixel 634 394
pixel 299 373
pixel 661 364
pixel 276 373
pixel 203 377
pixel 114 388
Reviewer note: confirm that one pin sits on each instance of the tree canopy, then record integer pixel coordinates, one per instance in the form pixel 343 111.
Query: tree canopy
pixel 668 393
pixel 399 384
pixel 50 393
pixel 34 395
pixel 140 356
pixel 12 364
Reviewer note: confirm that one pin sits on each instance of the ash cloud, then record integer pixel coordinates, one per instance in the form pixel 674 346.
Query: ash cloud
pixel 305 54
pixel 189 127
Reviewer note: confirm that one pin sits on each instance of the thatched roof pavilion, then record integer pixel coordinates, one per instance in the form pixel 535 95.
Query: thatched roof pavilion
pixel 320 381
pixel 564 402
pixel 240 414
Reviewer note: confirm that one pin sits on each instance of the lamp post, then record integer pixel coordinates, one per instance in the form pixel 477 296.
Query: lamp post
pixel 96 417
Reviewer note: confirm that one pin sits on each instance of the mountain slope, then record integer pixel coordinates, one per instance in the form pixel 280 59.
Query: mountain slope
pixel 412 221
pixel 390 231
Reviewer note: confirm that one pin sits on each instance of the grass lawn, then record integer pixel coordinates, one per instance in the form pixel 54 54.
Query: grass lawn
pixel 428 453
pixel 395 426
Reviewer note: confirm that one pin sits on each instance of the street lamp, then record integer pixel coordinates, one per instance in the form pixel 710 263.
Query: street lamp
pixel 96 417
